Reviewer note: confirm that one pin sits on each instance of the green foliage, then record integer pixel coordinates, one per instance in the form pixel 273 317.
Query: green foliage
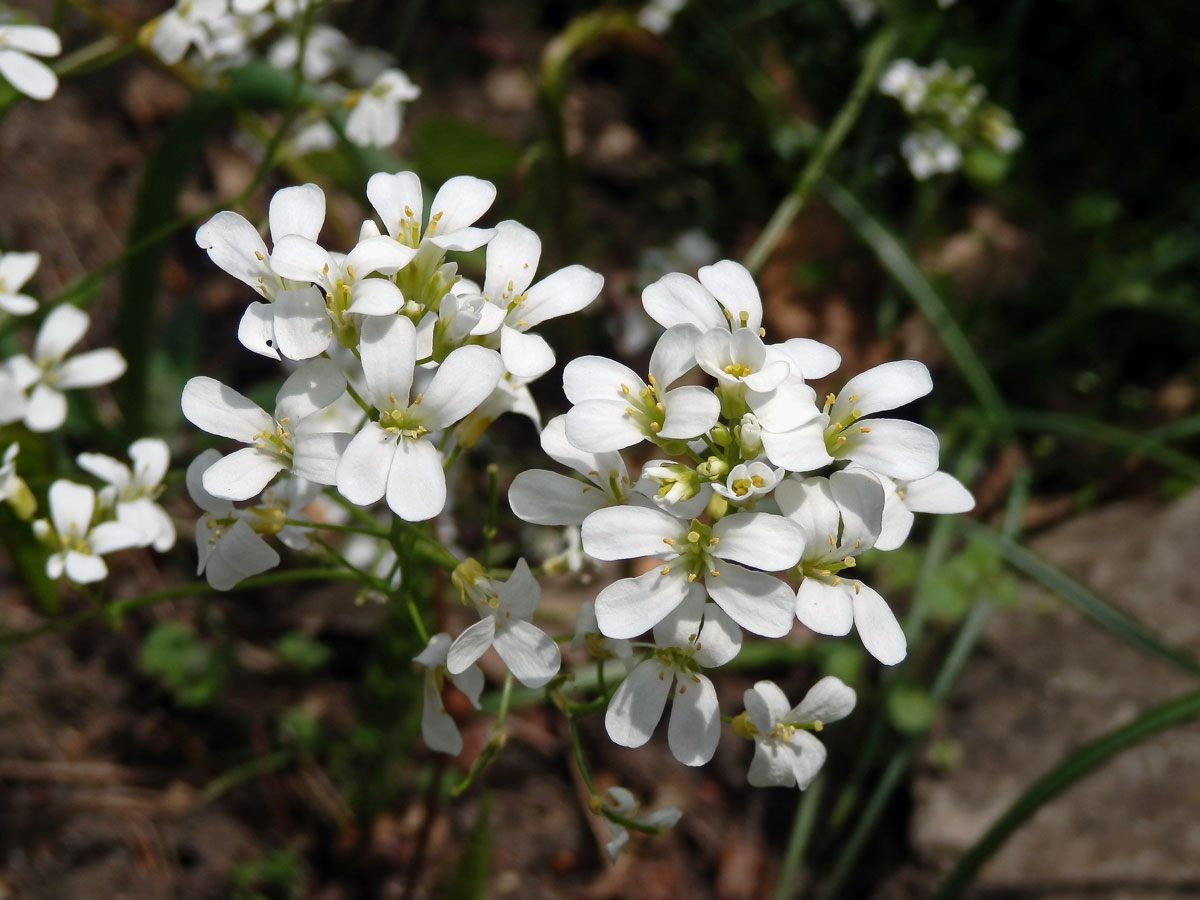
pixel 278 875
pixel 443 147
pixel 910 708
pixel 302 651
pixel 184 663
pixel 468 879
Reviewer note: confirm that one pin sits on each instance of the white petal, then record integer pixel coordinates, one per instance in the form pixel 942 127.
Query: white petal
pixel 756 601
pixel 761 540
pixel 530 654
pixel 766 704
pixel 695 726
pixel 46 409
pixel 829 700
pixel 564 292
pixel 218 409
pixel 362 474
pixel 548 498
pixel 108 537
pixel 435 651
pixel 887 386
pixel 860 498
pixel 388 346
pixel 416 485
pixel 84 568
pixel 594 465
pixel 825 608
pixel 240 554
pixel 807 757
pixel 150 521
pixel 312 387
pixel 36 39
pixel 236 246
pixel 464 380
pixel 789 406
pixel 893 447
pixel 690 411
pixel 734 287
pixel 638 704
pixel 105 468
pixel 811 359
pixel 31 77
pixel 940 492
pixel 598 378
pixel 525 355
pixel 678 299
pixel 633 606
pixel 771 765
pixel 256 330
pixel 627 532
pixel 458 204
pixel 301 325
pixel 520 594
pixel 71 507
pixel 242 474
pixel 17 304
pixel 298 258
pixel 810 504
pixel 195 486
pixel 602 426
pixel 17 268
pixel 297 210
pixel 881 634
pixel 395 197
pixel 896 523
pixel 91 369
pixel 317 454
pixel 62 329
pixel 376 296
pixel 720 638
pixel 470 682
pixel 471 644
pixel 512 260
pixel 674 354
pixel 437 727
pixel 379 254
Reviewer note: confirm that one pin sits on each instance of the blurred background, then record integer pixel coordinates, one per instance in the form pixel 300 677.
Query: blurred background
pixel 261 745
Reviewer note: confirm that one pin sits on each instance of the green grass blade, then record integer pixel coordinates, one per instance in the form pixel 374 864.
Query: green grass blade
pixel 1146 444
pixel 904 271
pixel 1088 602
pixel 1074 767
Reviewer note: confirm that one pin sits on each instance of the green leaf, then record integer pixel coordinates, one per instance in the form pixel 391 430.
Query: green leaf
pixel 1091 604
pixel 910 709
pixel 443 147
pixel 186 666
pixel 302 651
pixel 468 880
pixel 1072 769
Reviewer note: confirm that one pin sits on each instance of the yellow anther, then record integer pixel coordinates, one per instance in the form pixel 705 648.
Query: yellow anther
pixel 841 439
pixel 832 541
pixel 824 572
pixel 830 398
pixel 682 688
pixel 696 678
pixel 665 570
pixel 852 398
pixel 624 389
pixel 757 480
pixel 325 269
pixel 651 381
pixel 670 541
pixel 392 398
pixel 714 573
pixel 856 587
pixel 661 675
pixel 629 410
pixel 865 430
pixel 258 255
pixel 728 315
pixel 712 542
pixel 691 577
pixel 836 581
pixel 350 271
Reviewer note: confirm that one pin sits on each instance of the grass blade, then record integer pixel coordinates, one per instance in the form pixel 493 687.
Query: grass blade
pixel 1074 767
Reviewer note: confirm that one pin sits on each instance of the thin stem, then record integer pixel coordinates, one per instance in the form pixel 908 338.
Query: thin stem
pixel 878 54
pixel 330 526
pixel 495 743
pixel 581 763
pixel 801 833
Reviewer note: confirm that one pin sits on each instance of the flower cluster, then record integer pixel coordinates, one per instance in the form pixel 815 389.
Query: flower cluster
pixel 950 115
pixel 224 34
pixel 754 515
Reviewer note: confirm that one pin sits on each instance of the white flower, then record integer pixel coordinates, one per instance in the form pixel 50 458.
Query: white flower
pixel 30 76
pixel 277 442
pixel 15 270
pixel 183 25
pixel 893 447
pixel 512 260
pixel 325 51
pixel 906 81
pixel 614 408
pixel 378 112
pixel 621 802
pixel 394 455
pixel 790 426
pixel 588 634
pixel 656 15
pixel 133 491
pixel 229 549
pixel 748 481
pixel 456 206
pixel 49 373
pixel 548 498
pixel 786 753
pixel 940 492
pixel 287 498
pixel 930 153
pixel 437 727
pixel 79 544
pixel 680 652
pixel 725 297
pixel 505 609
pixel 697 558
pixel 13 489
pixel 841 516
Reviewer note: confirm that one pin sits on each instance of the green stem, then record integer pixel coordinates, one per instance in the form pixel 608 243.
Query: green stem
pixel 878 53
pixel 581 762
pixel 495 743
pixel 802 830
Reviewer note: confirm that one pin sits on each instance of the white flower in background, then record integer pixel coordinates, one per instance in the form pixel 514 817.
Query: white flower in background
pixel 325 51
pixel 679 655
pixel 786 752
pixel 229 549
pixel 50 372
pixel 13 489
pixel 184 24
pixel 131 493
pixel 456 207
pixel 505 609
pixel 940 492
pixel 588 634
pixel 614 408
pixel 621 802
pixel 906 81
pixel 12 396
pixel 930 153
pixel 511 395
pixel 395 455
pixel 512 259
pixel 656 16
pixel 230 40
pixel 78 544
pixel 378 111
pixel 437 727
pixel 861 12
pixel 841 516
pixel 549 498
pixel 286 498
pixel 19 44
pixel 697 558
pixel 894 447
pixel 277 442
pixel 15 270
pixel 724 297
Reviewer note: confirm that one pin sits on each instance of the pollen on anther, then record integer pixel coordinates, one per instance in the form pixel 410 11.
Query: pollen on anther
pixel 258 255
pixel 864 429
pixel 691 577
pixel 832 541
pixel 714 573
pixel 665 570
pixel 668 540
